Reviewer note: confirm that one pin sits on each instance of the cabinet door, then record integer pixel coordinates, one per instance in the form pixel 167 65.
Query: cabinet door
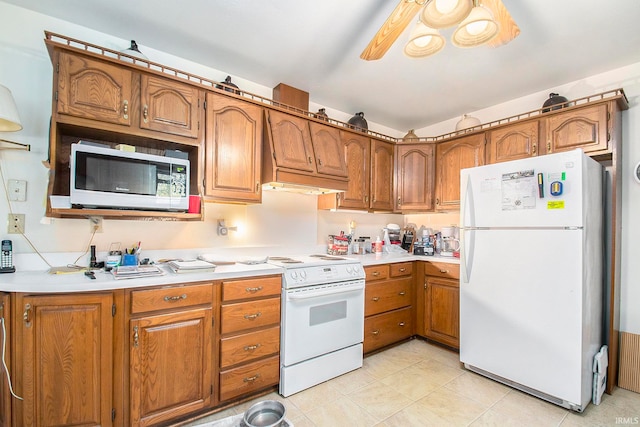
pixel 415 171
pixel 327 147
pixel 169 106
pixel 357 151
pixel 513 142
pixel 584 128
pixel 5 335
pixel 442 311
pixel 171 365
pixel 233 149
pixel 291 142
pixel 65 345
pixel 93 89
pixel 381 175
pixel 451 157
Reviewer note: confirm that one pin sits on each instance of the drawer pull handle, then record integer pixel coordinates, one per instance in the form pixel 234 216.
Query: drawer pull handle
pixel 145 113
pixel 375 273
pixel 251 379
pixel 125 109
pixel 402 270
pixel 376 299
pixel 401 324
pixel 251 347
pixel 252 316
pixel 403 293
pixel 26 316
pixel 376 332
pixel 175 298
pixel 444 271
pixel 253 290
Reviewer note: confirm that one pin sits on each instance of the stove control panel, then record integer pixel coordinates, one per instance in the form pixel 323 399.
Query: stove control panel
pixel 314 275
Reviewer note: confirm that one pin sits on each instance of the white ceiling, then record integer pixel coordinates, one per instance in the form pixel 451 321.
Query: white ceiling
pixel 316 46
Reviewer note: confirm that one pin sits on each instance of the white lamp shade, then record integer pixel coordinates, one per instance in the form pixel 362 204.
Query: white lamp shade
pixel 423 41
pixel 9 119
pixel 445 13
pixel 478 28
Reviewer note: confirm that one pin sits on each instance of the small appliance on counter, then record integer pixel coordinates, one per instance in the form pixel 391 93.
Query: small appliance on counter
pixel 450 241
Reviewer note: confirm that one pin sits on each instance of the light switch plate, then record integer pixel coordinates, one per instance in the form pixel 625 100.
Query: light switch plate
pixel 17 190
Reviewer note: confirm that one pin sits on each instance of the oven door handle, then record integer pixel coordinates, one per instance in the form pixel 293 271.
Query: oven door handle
pixel 314 294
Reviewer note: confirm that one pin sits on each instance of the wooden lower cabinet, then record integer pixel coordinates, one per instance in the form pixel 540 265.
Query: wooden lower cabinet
pixel 249 336
pixel 62 357
pixel 388 305
pixel 440 300
pixel 170 353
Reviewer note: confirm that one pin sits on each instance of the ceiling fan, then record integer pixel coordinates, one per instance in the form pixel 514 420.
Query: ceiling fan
pixel 406 11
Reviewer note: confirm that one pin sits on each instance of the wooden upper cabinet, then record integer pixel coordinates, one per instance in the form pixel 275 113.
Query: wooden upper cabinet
pixel 327 147
pixel 291 139
pixel 415 170
pixel 64 359
pixel 381 175
pixel 169 106
pixel 451 157
pixel 517 141
pixel 233 149
pixel 94 89
pixel 584 128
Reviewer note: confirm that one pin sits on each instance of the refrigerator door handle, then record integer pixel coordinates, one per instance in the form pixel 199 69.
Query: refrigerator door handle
pixel 468 211
pixel 468 243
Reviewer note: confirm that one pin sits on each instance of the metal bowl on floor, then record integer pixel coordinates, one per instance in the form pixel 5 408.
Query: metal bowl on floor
pixel 268 413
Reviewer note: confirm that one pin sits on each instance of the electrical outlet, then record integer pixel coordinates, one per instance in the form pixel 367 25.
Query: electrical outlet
pixel 95 223
pixel 16 224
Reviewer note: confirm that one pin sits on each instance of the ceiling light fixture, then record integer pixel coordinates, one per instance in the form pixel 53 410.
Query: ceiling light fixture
pixel 476 26
pixel 9 119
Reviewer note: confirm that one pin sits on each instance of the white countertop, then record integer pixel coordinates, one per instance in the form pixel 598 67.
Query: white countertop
pixel 39 281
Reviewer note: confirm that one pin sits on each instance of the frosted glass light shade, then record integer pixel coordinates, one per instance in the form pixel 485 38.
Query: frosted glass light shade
pixel 478 28
pixel 423 41
pixel 445 13
pixel 9 119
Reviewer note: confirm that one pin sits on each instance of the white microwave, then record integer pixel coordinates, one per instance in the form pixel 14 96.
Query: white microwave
pixel 107 178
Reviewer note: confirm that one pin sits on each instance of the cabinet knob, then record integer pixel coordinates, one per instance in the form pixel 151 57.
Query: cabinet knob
pixel 376 299
pixel 145 113
pixel 376 332
pixel 175 298
pixel 437 201
pixel 136 336
pixel 548 147
pixel 310 160
pixel 399 201
pixel 402 270
pixel 252 316
pixel 125 109
pixel 375 273
pixel 253 290
pixel 319 162
pixel 535 148
pixel 402 293
pixel 444 271
pixel 401 324
pixel 257 187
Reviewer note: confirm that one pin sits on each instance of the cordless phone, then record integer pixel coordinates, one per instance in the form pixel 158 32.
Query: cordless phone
pixel 6 259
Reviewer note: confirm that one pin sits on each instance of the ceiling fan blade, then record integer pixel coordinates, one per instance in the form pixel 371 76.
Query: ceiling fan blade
pixel 401 16
pixel 509 30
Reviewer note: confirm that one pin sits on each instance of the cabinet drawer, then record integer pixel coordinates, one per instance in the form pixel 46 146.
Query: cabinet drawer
pixel 384 296
pixel 385 329
pixel 171 297
pixel 249 378
pixel 376 272
pixel 251 288
pixel 250 314
pixel 247 347
pixel 442 269
pixel 401 269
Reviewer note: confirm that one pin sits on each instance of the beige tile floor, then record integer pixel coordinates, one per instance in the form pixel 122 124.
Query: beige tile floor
pixel 419 384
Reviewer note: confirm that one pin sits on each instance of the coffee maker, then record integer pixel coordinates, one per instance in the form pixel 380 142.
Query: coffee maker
pixel 450 241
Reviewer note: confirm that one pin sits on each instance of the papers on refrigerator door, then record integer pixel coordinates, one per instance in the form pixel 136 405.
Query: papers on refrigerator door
pixel 519 190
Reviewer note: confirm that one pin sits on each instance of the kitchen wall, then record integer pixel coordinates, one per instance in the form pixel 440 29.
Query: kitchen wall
pixel 283 219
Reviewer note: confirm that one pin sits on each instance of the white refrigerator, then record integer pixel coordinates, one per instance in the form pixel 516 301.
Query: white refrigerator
pixel 531 274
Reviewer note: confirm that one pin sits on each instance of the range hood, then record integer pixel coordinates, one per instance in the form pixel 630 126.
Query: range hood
pixel 298 160
pixel 296 188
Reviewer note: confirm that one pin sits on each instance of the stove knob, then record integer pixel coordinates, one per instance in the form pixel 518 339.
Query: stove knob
pixel 303 274
pixel 294 275
pixel 349 270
